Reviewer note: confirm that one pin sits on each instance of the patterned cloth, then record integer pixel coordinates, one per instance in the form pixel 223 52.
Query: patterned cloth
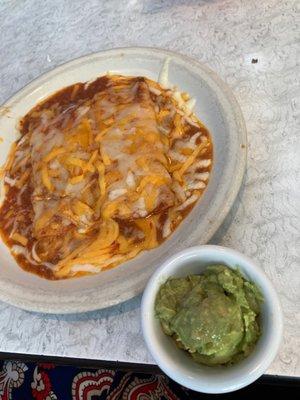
pixel 20 381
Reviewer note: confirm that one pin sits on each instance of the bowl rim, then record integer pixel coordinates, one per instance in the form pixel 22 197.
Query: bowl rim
pixel 265 355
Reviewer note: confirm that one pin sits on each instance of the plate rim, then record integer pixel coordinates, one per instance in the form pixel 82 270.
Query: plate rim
pixel 237 180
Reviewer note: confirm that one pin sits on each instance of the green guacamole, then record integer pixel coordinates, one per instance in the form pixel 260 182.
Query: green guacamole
pixel 214 316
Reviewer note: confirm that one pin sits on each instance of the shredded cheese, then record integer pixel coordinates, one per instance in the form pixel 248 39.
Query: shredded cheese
pixel 17 237
pixel 45 178
pixel 156 180
pixel 56 151
pixel 76 179
pixel 106 160
pixel 107 175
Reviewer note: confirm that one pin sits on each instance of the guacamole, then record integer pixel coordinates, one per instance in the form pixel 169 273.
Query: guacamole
pixel 214 316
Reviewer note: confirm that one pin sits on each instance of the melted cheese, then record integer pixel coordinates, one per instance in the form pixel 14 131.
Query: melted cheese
pixel 105 177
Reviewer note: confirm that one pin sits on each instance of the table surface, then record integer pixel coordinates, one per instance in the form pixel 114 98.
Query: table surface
pixel 252 45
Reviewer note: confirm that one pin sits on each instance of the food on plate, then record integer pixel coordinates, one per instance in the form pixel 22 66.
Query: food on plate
pixel 213 316
pixel 102 171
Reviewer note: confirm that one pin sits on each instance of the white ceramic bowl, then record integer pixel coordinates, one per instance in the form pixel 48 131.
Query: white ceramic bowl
pixel 176 363
pixel 215 106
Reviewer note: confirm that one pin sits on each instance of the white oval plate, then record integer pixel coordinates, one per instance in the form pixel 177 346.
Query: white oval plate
pixel 215 106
